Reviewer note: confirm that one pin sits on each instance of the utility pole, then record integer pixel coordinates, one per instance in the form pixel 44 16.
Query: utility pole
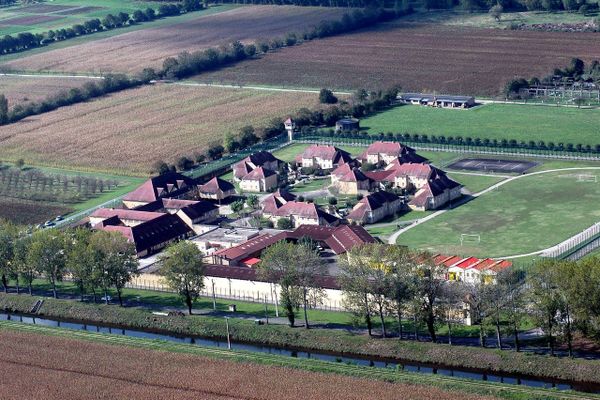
pixel 213 295
pixel 228 336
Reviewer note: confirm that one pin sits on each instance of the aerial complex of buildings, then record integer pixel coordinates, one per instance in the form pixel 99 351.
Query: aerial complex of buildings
pixel 387 179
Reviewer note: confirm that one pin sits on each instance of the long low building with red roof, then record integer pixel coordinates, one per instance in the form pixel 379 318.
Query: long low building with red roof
pixel 339 239
pixel 471 269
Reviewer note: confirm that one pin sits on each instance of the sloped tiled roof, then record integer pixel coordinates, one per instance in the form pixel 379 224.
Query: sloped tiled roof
pixel 355 175
pixel 153 233
pixel 199 209
pixel 326 152
pixel 121 213
pixel 346 237
pixel 214 185
pixel 371 202
pixel 245 166
pixel 258 174
pixel 167 185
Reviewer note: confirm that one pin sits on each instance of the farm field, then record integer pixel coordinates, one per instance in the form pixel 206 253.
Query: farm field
pixel 485 20
pixel 19 89
pixel 64 368
pixel 419 57
pixel 127 132
pixel 493 121
pixel 152 46
pixel 523 216
pixel 34 195
pixel 37 18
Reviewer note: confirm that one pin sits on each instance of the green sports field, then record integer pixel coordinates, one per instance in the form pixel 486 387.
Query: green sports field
pixel 493 121
pixel 523 216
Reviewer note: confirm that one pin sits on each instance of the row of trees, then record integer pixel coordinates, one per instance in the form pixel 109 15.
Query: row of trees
pixel 188 64
pixel 381 281
pixel 26 40
pixel 95 261
pixel 457 141
pixel 560 297
pixel 110 84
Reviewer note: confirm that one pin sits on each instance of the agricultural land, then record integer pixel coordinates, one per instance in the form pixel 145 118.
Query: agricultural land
pixel 32 195
pixel 493 121
pixel 419 57
pixel 71 367
pixel 129 131
pixel 19 89
pixel 38 18
pixel 152 46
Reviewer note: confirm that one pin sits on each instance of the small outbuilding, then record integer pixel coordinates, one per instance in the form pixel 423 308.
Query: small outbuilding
pixel 347 125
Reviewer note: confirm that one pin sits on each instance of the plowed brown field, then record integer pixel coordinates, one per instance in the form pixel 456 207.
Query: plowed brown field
pixel 133 51
pixel 23 89
pixel 131 130
pixel 420 57
pixel 51 368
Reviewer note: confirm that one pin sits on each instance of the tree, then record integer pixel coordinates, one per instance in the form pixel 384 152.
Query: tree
pixel 20 163
pixel 22 267
pixel 161 167
pixel 47 255
pixel 7 243
pixel 237 206
pixel 116 261
pixel 184 163
pixel 367 167
pixel 511 282
pixel 81 261
pixel 252 201
pixel 429 290
pixel 326 96
pixel 182 269
pixel 545 298
pixel 294 267
pixel 475 299
pixel 3 109
pixel 401 282
pixel 496 12
pixel 284 223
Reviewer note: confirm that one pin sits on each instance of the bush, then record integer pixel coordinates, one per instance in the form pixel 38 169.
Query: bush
pixel 326 96
pixel 284 223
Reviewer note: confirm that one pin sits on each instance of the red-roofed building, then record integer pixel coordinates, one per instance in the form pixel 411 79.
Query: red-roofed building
pixel 170 185
pixel 300 213
pixel 339 239
pixel 375 207
pixel 259 180
pixel 386 152
pixel 323 156
pixel 350 180
pixel 261 159
pixel 216 189
pixel 471 269
pixel 127 217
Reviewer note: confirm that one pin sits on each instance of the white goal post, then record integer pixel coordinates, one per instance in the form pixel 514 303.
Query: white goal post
pixel 469 238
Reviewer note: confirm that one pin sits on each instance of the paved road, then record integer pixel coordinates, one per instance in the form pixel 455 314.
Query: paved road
pixel 394 237
pixel 50 76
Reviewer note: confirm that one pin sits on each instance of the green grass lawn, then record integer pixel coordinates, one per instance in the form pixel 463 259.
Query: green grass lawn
pixel 475 183
pixel 523 216
pixel 311 185
pixel 493 121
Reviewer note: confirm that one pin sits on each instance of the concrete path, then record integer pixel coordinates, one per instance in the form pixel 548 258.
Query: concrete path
pixel 394 237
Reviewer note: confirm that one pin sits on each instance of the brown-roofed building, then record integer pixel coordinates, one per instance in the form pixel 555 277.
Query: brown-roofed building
pixel 274 201
pixel 170 185
pixel 300 213
pixel 261 159
pixel 127 217
pixel 154 235
pixel 216 189
pixel 435 193
pixel 323 156
pixel 375 207
pixel 386 152
pixel 350 180
pixel 259 180
pixel 339 239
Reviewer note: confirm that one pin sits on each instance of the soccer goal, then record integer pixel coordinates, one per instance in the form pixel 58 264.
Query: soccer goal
pixel 469 238
pixel 587 178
